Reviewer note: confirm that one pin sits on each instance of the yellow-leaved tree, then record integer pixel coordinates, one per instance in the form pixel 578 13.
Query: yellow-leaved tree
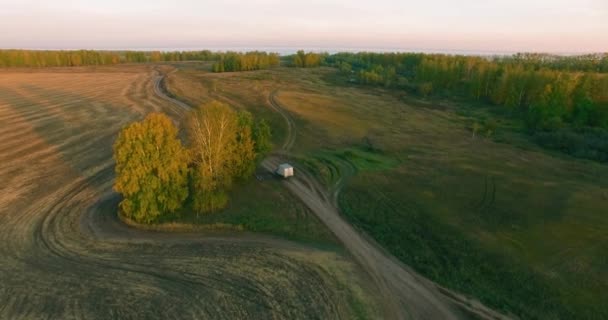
pixel 151 169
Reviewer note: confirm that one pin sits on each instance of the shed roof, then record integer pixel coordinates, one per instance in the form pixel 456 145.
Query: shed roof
pixel 285 166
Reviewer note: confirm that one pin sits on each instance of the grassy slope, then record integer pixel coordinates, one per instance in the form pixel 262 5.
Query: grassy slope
pixel 522 229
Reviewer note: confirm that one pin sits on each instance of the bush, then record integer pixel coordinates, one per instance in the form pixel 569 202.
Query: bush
pixel 587 143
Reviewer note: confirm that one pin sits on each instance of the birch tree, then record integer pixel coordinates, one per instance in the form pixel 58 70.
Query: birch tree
pixel 212 130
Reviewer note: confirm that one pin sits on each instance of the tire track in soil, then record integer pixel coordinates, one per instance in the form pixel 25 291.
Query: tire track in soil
pixel 290 139
pixel 407 294
pixel 64 254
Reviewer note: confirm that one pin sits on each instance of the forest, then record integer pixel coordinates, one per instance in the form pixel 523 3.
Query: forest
pixel 562 101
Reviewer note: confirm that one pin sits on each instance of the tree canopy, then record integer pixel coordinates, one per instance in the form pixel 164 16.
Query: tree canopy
pixel 223 150
pixel 307 59
pixel 151 168
pixel 212 134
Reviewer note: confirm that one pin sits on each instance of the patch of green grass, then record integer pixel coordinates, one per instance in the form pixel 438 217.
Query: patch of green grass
pixel 521 237
pixel 447 256
pixel 266 207
pixel 364 160
pixel 360 310
pixel 332 165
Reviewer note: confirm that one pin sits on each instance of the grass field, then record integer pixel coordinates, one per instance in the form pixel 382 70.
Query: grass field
pixel 64 254
pixel 266 207
pixel 523 229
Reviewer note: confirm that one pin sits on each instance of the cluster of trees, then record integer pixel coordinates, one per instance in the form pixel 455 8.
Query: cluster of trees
pixel 307 59
pixel 255 60
pixel 536 87
pixel 156 174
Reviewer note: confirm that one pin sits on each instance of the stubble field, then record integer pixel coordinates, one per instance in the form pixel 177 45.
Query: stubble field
pixel 65 255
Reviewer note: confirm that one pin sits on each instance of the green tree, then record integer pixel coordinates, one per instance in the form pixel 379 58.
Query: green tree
pixel 223 148
pixel 345 67
pixel 245 151
pixel 262 136
pixel 212 131
pixel 299 58
pixel 151 168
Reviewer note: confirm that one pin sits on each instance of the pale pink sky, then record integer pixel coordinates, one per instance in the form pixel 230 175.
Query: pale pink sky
pixel 565 26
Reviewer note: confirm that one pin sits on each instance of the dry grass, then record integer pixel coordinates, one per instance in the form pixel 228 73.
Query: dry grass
pixel 63 255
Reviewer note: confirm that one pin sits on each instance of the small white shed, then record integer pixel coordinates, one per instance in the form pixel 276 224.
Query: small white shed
pixel 285 170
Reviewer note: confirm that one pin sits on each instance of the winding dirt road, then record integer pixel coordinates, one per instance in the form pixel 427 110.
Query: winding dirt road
pixel 158 79
pixel 407 294
pixel 64 255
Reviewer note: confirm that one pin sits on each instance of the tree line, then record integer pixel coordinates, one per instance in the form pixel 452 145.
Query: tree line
pixel 236 61
pixel 33 58
pixel 156 174
pixel 75 58
pixel 597 62
pixel 223 61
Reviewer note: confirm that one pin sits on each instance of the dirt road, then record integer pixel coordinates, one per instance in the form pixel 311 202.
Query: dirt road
pixel 63 254
pixel 407 294
pixel 161 94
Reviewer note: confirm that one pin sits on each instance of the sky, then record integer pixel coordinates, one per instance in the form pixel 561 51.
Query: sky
pixel 476 26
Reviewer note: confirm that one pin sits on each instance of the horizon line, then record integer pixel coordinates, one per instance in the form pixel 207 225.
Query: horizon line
pixel 286 50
